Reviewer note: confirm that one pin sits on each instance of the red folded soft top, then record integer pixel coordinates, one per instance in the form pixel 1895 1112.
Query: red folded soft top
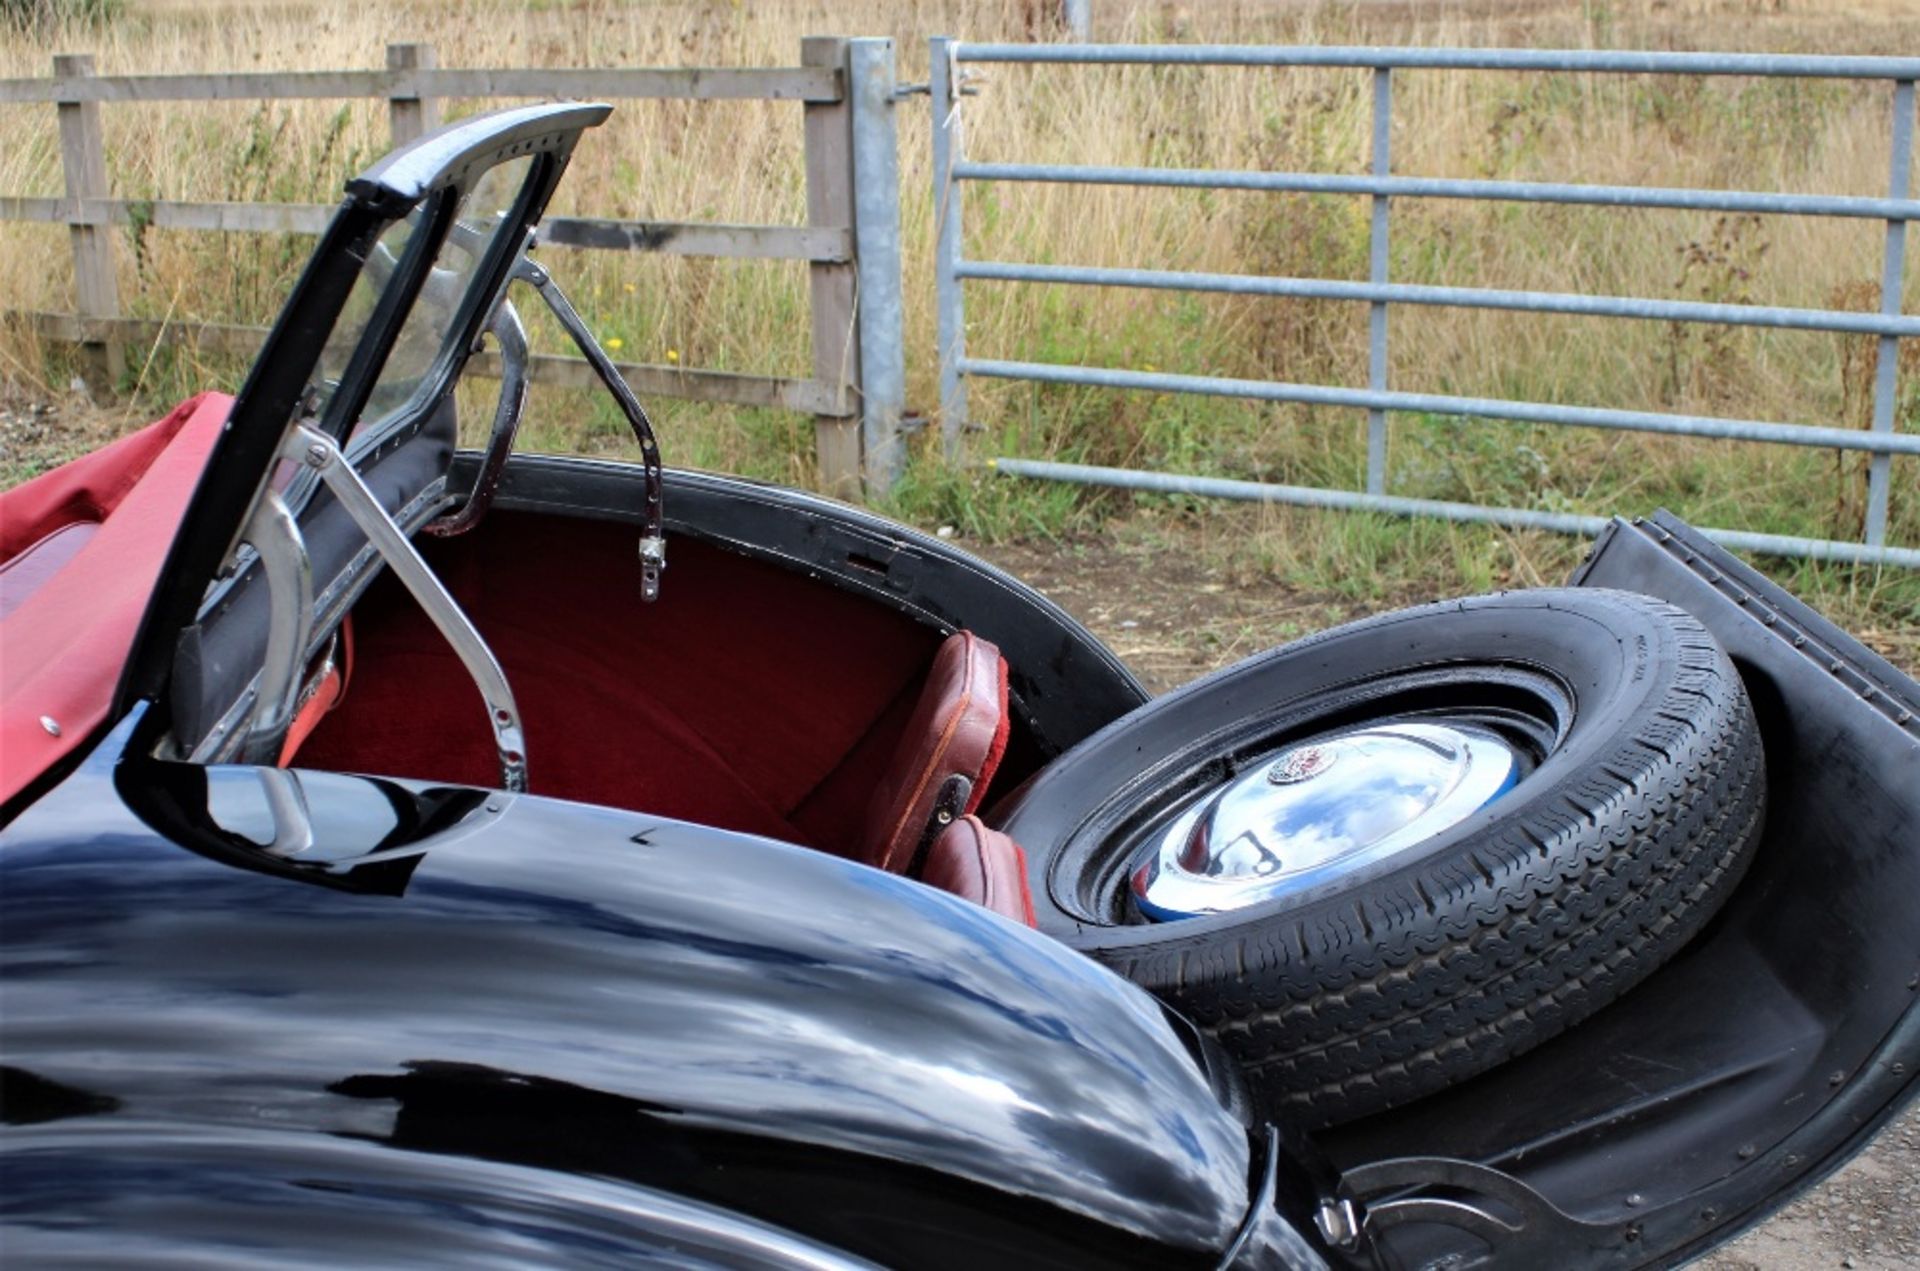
pixel 80 550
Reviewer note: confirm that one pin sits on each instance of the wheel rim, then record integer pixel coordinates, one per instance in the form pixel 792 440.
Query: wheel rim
pixel 1302 815
pixel 1526 709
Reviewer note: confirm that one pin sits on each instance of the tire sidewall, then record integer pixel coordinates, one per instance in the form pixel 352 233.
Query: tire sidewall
pixel 1605 649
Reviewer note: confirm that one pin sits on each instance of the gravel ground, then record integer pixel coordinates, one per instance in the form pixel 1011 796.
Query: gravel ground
pixel 1173 624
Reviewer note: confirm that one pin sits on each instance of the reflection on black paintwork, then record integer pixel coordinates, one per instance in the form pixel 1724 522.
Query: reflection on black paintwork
pixel 29 1099
pixel 361 834
pixel 253 1197
pixel 461 975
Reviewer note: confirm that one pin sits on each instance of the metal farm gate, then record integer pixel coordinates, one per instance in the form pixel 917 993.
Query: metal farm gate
pixel 952 172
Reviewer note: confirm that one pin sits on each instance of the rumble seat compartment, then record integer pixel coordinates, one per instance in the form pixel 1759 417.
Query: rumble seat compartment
pixel 750 698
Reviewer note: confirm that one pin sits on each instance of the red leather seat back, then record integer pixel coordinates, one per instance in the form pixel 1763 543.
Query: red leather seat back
pixel 981 865
pixel 958 727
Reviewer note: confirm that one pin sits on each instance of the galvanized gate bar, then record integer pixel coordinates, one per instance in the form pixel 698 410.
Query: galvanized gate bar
pixel 1377 275
pixel 1891 324
pixel 1363 57
pixel 1511 518
pixel 1448 188
pixel 1452 297
pixel 1444 404
pixel 1886 370
pixel 949 317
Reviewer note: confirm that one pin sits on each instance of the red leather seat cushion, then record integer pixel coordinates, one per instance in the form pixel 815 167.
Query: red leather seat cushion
pixel 982 865
pixel 958 727
pixel 68 631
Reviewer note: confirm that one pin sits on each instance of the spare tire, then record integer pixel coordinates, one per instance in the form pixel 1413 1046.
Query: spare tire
pixel 1283 851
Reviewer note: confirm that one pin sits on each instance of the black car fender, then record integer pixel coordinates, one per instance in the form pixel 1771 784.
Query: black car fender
pixel 804 1040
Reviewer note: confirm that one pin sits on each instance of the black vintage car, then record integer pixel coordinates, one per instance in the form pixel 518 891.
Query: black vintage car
pixel 830 898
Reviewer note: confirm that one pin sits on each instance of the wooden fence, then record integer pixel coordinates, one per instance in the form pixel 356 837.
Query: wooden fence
pixel 840 147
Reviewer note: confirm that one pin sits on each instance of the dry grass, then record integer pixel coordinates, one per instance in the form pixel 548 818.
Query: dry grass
pixel 742 162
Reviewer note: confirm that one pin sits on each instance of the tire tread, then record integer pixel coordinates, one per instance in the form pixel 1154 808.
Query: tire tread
pixel 1478 956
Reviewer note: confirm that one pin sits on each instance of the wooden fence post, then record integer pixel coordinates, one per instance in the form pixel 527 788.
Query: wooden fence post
pixel 83 157
pixel 836 352
pixel 412 113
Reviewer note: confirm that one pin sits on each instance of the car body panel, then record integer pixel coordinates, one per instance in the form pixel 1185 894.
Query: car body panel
pixel 812 1042
pixel 67 641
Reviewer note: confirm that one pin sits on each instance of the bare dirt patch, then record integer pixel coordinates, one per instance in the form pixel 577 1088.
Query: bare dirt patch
pixel 1169 614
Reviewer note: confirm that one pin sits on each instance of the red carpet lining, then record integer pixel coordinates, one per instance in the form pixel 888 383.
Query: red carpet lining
pixel 748 697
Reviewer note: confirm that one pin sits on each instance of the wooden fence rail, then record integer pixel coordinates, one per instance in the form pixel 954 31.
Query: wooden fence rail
pixel 413 85
pixel 803 84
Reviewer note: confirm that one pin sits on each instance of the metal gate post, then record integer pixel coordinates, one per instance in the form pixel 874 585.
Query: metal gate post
pixel 1377 274
pixel 879 311
pixel 1886 371
pixel 948 144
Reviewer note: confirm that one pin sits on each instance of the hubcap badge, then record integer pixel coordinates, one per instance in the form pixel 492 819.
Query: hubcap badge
pixel 1301 764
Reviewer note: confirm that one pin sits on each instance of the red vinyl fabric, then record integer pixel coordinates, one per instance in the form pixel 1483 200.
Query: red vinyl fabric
pixel 982 865
pixel 958 728
pixel 749 697
pixel 71 622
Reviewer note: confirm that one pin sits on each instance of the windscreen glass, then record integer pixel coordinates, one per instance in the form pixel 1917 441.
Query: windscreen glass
pixel 485 212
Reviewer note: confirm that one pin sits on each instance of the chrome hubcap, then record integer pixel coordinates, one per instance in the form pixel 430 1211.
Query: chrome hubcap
pixel 1300 816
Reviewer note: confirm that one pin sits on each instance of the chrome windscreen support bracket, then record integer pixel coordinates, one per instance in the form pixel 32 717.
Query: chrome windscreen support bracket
pixel 319 452
pixel 287 804
pixel 511 336
pixel 275 536
pixel 653 540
